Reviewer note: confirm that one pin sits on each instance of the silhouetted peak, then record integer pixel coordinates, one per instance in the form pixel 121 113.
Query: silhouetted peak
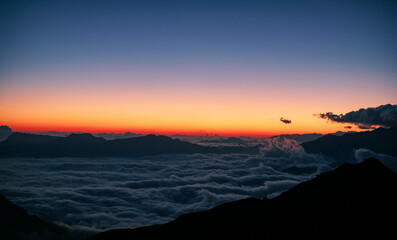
pixel 368 165
pixel 371 162
pixel 373 165
pixel 28 138
pixel 5 128
pixel 232 140
pixel 82 137
pixel 235 139
pixel 341 148
pixel 330 136
pixel 5 131
pixel 157 137
pixel 151 136
pixel 17 135
pixel 345 165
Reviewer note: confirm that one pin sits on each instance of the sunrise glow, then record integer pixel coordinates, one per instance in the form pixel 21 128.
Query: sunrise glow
pixel 196 83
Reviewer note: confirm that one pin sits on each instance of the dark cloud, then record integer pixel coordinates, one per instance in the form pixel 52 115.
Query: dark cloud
pixel 366 118
pixel 91 195
pixel 286 121
pixel 348 127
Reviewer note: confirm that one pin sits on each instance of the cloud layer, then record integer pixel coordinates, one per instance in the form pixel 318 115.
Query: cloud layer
pixel 96 194
pixel 384 115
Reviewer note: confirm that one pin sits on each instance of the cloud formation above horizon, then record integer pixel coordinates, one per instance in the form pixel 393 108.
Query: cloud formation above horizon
pixel 286 121
pixel 366 118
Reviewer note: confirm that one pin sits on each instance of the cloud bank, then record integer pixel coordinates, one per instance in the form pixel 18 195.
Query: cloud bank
pixel 384 115
pixel 93 195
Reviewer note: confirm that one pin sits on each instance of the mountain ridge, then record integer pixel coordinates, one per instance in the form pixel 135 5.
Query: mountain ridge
pixel 341 148
pixel 87 145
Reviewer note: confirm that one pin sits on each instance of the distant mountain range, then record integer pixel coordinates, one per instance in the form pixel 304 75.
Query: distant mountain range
pixel 6 131
pixel 300 137
pixel 87 145
pixel 342 148
pixel 229 140
pixel 350 202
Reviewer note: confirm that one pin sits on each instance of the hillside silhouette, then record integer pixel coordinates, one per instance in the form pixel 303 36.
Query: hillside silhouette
pixel 352 201
pixel 342 147
pixel 16 223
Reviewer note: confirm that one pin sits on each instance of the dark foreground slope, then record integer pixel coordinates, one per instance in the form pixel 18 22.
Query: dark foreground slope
pixel 353 201
pixel 87 145
pixel 16 223
pixel 341 148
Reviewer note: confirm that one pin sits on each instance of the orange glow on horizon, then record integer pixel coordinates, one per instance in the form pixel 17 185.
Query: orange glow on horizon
pixel 254 108
pixel 165 131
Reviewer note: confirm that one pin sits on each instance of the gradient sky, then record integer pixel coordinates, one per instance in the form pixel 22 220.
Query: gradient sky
pixel 226 67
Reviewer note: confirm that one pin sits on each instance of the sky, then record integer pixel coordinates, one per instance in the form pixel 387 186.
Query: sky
pixel 194 67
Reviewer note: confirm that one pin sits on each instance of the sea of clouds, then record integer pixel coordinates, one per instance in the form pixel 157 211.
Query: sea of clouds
pixel 92 195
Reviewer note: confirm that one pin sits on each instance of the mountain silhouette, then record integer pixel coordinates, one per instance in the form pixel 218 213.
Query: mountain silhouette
pixel 16 223
pixel 87 145
pixel 299 137
pixel 5 131
pixel 229 140
pixel 352 201
pixel 27 138
pixel 341 147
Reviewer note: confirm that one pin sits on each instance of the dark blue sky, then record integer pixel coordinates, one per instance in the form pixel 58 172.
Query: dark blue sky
pixel 341 34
